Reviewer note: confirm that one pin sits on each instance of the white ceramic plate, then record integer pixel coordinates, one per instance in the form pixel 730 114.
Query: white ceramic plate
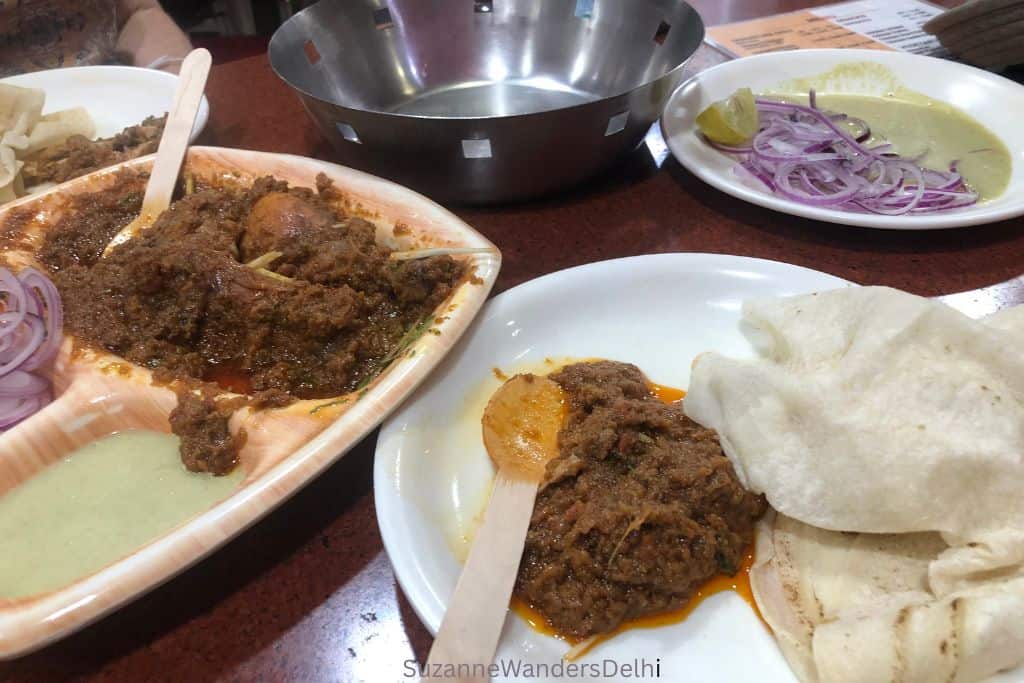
pixel 115 96
pixel 992 100
pixel 432 473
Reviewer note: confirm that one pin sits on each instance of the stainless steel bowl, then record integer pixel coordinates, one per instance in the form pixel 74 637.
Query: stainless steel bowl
pixel 486 100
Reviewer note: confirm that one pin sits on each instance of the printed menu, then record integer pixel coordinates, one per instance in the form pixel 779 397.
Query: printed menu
pixel 866 24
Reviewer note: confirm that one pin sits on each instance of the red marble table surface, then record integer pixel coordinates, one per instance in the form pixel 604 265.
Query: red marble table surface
pixel 308 594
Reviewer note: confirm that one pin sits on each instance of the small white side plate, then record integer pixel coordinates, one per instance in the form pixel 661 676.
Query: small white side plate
pixel 993 100
pixel 432 473
pixel 115 96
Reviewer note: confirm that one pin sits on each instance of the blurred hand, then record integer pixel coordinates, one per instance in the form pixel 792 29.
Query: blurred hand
pixel 149 34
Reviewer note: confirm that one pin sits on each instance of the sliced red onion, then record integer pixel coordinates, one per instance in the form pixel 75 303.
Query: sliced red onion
pixel 19 384
pixel 28 345
pixel 14 410
pixel 819 158
pixel 31 329
pixel 14 303
pixel 47 304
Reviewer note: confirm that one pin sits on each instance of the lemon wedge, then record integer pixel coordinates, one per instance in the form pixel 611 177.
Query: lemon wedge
pixel 731 121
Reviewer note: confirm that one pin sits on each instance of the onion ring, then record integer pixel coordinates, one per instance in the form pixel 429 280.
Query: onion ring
pixel 807 155
pixel 31 329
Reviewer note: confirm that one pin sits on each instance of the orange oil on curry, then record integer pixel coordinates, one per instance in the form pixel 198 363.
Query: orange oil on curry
pixel 666 394
pixel 739 584
pixel 230 377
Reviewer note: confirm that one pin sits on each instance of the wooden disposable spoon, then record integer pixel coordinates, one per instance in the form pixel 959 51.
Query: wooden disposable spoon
pixel 520 426
pixel 173 144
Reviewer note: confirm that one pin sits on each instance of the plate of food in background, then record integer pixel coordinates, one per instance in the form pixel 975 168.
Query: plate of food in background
pixel 858 137
pixel 159 396
pixel 747 444
pixel 59 124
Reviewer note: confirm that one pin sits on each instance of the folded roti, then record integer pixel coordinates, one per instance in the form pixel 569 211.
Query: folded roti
pixel 874 411
pixel 857 608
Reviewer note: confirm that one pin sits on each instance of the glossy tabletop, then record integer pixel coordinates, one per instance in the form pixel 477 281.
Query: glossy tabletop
pixel 308 594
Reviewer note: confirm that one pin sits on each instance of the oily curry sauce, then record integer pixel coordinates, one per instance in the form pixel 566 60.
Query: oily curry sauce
pixel 270 291
pixel 739 584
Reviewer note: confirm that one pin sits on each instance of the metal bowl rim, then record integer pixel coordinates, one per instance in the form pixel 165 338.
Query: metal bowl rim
pixel 497 117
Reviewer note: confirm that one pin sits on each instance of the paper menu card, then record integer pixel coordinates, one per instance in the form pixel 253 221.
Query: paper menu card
pixel 870 24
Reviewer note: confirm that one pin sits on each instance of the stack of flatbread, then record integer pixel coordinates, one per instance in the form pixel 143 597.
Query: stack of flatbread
pixel 887 431
pixel 24 130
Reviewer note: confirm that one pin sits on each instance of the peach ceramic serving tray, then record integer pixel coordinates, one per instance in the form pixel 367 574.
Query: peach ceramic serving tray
pixel 99 394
